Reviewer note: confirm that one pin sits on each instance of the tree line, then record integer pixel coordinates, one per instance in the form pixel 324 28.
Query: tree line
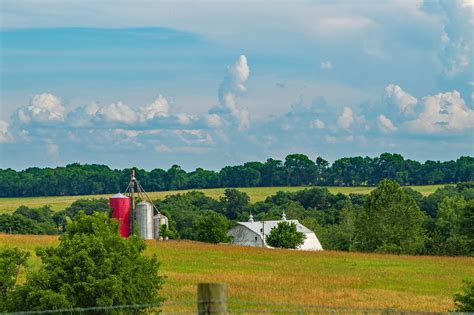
pixel 391 219
pixel 295 170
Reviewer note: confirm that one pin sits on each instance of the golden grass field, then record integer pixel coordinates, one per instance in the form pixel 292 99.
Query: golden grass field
pixel 8 205
pixel 333 279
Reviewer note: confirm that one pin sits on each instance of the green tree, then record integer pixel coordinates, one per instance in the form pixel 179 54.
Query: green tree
pixel 464 302
pixel 91 266
pixel 447 238
pixel 11 260
pixel 390 222
pixel 234 202
pixel 466 225
pixel 300 170
pixel 88 206
pixel 211 227
pixel 340 236
pixel 285 235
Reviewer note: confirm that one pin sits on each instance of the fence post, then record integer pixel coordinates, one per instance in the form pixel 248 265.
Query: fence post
pixel 212 298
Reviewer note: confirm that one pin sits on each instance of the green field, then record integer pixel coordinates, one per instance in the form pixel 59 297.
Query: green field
pixel 8 205
pixel 336 279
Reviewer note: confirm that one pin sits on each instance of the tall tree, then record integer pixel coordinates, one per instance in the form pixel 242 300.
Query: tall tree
pixel 391 222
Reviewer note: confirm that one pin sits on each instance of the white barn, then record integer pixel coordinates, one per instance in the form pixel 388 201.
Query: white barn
pixel 254 233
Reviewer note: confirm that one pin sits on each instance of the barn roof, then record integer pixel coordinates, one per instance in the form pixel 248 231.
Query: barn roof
pixel 269 225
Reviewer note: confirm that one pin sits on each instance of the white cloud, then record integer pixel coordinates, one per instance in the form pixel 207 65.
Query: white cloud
pixel 159 108
pixel 404 101
pixel 118 112
pixel 214 121
pixel 82 116
pixel 326 65
pixel 346 119
pixel 443 112
pixel 43 107
pixel 317 124
pixel 232 87
pixel 385 124
pixel 5 135
pixel 194 136
pixel 52 149
pixel 184 119
pixel 457 21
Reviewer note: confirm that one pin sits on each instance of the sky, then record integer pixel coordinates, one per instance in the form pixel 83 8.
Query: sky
pixel 215 83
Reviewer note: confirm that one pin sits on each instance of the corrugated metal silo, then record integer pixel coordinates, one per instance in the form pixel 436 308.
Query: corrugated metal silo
pixel 144 212
pixel 120 205
pixel 158 221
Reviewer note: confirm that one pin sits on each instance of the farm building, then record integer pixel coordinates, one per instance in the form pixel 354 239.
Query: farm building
pixel 254 233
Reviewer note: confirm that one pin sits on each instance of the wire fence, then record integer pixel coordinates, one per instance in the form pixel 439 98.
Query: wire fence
pixel 233 307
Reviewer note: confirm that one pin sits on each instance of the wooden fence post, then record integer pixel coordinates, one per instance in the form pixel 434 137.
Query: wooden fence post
pixel 212 298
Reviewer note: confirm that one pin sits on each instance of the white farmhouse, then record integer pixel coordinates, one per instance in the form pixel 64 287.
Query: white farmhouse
pixel 254 233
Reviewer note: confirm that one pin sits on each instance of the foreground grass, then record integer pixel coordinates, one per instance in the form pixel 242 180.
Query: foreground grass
pixel 8 205
pixel 338 279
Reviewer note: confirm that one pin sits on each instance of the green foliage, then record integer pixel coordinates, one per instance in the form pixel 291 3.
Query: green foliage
pixel 295 170
pixel 183 210
pixel 11 260
pixel 285 235
pixel 466 226
pixel 92 266
pixel 234 202
pixel 339 236
pixel 391 222
pixel 211 227
pixel 88 206
pixel 464 302
pixel 29 221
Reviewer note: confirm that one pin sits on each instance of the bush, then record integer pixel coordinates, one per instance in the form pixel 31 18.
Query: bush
pixel 91 266
pixel 464 302
pixel 211 227
pixel 285 235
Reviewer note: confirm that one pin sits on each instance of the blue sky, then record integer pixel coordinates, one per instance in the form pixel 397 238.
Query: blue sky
pixel 212 83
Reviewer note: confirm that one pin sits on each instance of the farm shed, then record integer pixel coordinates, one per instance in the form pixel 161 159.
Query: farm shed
pixel 254 233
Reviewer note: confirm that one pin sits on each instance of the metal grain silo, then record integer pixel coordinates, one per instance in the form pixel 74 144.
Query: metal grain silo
pixel 120 205
pixel 144 212
pixel 158 221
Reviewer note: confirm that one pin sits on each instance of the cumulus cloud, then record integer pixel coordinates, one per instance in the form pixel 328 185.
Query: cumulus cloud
pixel 346 119
pixel 317 124
pixel 43 108
pixel 404 101
pixel 443 112
pixel 117 112
pixel 214 121
pixel 456 40
pixel 158 108
pixel 83 115
pixel 385 124
pixel 326 65
pixel 5 135
pixel 230 89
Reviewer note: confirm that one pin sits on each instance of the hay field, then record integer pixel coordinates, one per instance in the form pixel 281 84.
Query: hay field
pixel 337 279
pixel 57 203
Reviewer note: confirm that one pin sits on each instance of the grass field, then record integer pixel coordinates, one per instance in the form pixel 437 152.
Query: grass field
pixel 8 205
pixel 336 279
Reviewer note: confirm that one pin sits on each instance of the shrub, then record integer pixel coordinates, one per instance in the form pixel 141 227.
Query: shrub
pixel 285 235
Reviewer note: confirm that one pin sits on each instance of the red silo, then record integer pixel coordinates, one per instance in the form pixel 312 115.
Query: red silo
pixel 120 205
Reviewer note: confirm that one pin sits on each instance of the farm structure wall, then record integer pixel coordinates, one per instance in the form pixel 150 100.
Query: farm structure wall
pixel 120 205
